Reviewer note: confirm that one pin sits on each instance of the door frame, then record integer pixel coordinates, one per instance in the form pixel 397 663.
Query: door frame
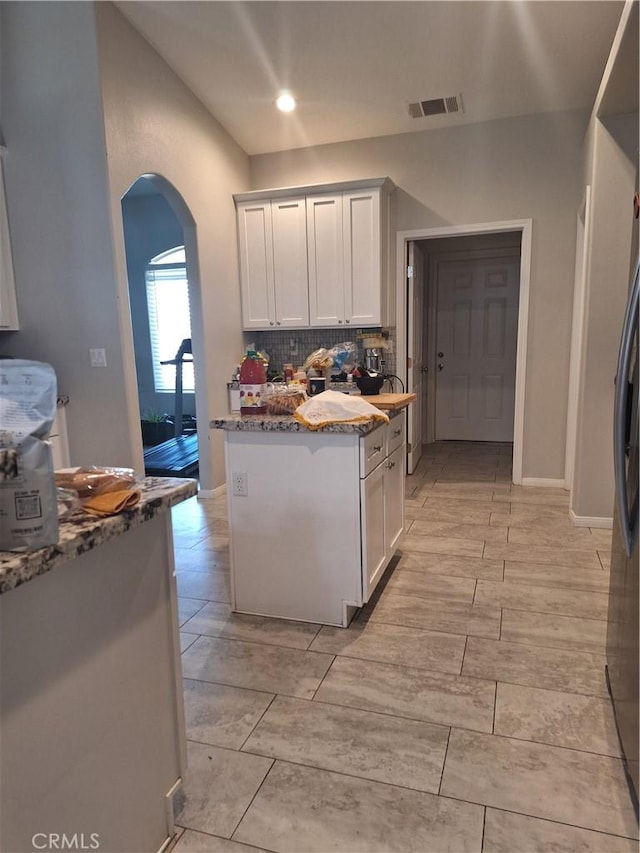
pixel 525 226
pixel 583 255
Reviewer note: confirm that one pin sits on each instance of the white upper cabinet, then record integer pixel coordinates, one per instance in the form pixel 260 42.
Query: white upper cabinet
pixel 326 260
pixel 255 240
pixel 314 258
pixel 273 263
pixel 288 218
pixel 8 303
pixel 361 217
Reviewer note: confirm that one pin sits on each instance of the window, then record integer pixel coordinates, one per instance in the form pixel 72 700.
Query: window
pixel 169 318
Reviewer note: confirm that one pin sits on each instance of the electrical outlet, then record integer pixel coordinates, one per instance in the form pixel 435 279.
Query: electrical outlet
pixel 240 485
pixel 293 346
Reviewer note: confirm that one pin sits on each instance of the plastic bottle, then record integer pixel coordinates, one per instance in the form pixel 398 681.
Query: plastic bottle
pixel 253 377
pixel 288 372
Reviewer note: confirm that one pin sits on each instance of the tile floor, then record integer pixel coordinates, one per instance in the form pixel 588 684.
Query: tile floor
pixel 465 708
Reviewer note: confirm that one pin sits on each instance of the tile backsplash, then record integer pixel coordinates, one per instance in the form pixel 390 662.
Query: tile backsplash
pixel 278 345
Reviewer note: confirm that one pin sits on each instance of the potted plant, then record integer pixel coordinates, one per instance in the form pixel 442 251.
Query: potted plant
pixel 156 428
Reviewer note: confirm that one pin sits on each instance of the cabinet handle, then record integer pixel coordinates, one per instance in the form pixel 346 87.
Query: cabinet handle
pixel 278 323
pixel 397 432
pixel 271 322
pixel 347 321
pixel 377 448
pixel 391 465
pixel 339 321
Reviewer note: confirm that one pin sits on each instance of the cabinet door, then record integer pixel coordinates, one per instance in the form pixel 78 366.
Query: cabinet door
pixel 289 222
pixel 8 305
pixel 255 241
pixel 393 500
pixel 372 529
pixel 362 257
pixel 326 260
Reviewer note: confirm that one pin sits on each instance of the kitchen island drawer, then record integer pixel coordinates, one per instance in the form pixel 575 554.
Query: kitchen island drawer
pixel 373 449
pixel 395 432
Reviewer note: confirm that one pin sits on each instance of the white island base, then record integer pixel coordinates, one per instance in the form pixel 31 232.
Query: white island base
pixel 92 737
pixel 320 521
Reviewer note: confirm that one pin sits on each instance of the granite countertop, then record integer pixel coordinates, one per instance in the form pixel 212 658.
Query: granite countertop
pixel 389 403
pixel 286 423
pixel 82 532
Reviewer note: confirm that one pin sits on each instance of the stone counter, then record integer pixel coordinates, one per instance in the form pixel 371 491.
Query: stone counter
pixel 391 404
pixel 82 532
pixel 286 423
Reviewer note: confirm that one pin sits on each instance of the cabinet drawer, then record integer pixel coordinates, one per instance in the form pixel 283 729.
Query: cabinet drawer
pixel 373 449
pixel 395 433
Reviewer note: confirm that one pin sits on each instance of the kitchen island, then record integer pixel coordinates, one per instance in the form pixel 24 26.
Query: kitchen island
pixel 91 718
pixel 314 516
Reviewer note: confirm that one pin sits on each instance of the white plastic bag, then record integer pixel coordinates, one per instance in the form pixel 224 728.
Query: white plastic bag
pixel 28 505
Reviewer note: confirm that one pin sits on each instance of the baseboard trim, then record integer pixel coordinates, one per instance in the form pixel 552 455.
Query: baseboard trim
pixel 210 494
pixel 543 481
pixel 590 521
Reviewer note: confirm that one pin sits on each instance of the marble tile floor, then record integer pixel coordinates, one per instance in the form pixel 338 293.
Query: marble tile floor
pixel 464 709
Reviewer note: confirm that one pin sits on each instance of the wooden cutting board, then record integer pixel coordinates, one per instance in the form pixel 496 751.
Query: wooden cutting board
pixel 390 402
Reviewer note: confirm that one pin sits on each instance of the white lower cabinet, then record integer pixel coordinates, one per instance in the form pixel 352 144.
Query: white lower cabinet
pixel 382 513
pixel 373 529
pixel 321 520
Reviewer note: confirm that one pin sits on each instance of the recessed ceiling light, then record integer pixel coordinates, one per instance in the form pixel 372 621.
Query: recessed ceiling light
pixel 286 102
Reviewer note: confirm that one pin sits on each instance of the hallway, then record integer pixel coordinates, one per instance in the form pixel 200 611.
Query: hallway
pixel 464 709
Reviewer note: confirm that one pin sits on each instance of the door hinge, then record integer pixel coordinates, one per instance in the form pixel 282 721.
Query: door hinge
pixel 409 361
pixel 408 447
pixel 409 271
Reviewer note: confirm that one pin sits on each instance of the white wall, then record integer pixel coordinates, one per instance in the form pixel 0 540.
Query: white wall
pixel 154 124
pixel 59 217
pixel 606 288
pixel 80 85
pixel 527 167
pixel 610 163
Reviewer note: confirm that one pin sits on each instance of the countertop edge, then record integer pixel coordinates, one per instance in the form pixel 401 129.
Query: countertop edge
pixel 83 532
pixel 286 423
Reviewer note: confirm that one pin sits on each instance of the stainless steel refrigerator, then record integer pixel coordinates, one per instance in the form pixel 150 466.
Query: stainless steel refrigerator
pixel 622 630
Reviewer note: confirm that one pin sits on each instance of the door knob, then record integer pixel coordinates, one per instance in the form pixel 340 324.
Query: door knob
pixel 440 366
pixel 440 355
pixel 424 370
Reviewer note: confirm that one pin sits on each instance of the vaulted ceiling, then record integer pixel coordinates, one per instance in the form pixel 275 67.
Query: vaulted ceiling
pixel 354 67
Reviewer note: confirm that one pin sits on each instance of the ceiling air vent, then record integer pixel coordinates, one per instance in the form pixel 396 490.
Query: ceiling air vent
pixel 436 107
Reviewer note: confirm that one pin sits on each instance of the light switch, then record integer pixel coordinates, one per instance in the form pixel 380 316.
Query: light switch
pixel 98 357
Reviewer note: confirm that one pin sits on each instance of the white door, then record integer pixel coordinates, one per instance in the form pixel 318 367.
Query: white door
pixel 477 326
pixel 415 377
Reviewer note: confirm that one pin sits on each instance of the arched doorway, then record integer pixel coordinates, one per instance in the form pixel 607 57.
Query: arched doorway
pixel 165 304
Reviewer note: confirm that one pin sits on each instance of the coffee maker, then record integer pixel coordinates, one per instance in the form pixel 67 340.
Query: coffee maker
pixel 372 377
pixel 373 358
